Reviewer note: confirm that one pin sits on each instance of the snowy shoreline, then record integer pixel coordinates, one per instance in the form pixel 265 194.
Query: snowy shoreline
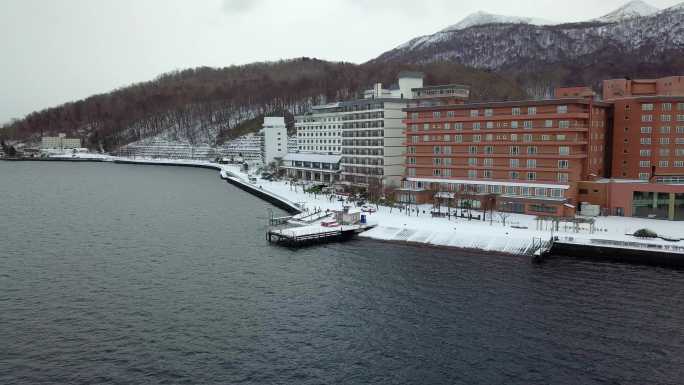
pixel 422 229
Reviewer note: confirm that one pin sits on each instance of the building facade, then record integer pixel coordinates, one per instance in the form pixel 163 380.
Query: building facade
pixel 275 139
pixel 59 142
pixel 530 154
pixel 367 133
pixel 311 167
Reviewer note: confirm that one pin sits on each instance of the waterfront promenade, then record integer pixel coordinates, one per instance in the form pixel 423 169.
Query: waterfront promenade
pixel 520 235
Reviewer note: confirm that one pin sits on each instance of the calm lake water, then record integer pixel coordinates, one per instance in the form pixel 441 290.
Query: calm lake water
pixel 120 274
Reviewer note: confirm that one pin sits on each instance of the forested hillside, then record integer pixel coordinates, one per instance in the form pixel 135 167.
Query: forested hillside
pixel 205 105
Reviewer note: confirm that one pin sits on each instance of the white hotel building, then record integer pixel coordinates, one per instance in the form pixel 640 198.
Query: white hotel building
pixel 355 143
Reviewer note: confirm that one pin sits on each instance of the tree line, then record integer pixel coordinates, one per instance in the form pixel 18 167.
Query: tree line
pixel 203 105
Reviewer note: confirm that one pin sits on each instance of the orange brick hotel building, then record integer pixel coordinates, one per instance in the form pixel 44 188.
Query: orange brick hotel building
pixel 547 157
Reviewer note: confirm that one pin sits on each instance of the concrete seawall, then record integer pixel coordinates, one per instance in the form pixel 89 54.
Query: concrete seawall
pixel 618 254
pixel 274 200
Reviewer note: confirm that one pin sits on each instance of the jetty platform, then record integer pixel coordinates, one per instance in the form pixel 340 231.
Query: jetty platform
pixel 314 234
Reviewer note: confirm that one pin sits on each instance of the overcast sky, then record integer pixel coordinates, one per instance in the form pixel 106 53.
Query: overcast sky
pixel 54 51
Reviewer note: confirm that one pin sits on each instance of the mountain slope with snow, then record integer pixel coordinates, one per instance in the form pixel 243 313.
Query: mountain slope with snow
pixel 636 8
pixel 499 46
pixel 481 18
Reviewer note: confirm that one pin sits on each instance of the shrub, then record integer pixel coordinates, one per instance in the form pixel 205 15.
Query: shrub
pixel 645 233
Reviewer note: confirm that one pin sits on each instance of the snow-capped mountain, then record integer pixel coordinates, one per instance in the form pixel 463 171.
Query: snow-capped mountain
pixel 501 45
pixel 481 18
pixel 636 8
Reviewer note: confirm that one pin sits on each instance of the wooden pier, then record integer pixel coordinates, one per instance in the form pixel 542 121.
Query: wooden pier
pixel 295 237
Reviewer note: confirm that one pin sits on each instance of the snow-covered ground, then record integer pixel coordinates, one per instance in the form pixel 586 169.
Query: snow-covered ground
pixel 516 237
pixel 396 225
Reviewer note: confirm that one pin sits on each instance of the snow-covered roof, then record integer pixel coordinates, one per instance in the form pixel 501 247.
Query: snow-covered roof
pixel 490 183
pixel 308 157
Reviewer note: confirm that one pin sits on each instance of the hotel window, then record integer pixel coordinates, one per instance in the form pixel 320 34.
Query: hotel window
pixel 426 138
pixel 562 177
pixel 415 115
pixel 679 140
pixel 514 137
pixel 666 107
pixel 415 139
pixel 546 138
pixel 447 126
pixel 488 162
pixel 436 172
pixel 646 118
pixel 458 138
pixel 474 113
pixel 411 172
pixel 678 163
pixel 680 118
pixel 487 174
pixel 451 114
pixel 564 124
pixel 412 160
pixel 531 176
pixel 644 152
pixel 564 150
pixel 647 107
pixel 458 126
pixel 514 150
pixel 472 174
pixel 515 111
pixel 437 150
pixel 426 127
pixel 436 114
pixel 527 124
pixel 476 125
pixel 663 163
pixel 562 109
pixel 564 164
pixel 477 138
pixel 680 106
pixel 446 172
pixel 532 150
pixel 548 123
pixel 527 138
pixel 472 161
pixel 495 189
pixel 540 192
pixel 446 138
pixel 680 129
pixel 665 118
pixel 513 175
pixel 531 110
pixel 472 150
pixel 489 112
pixel 664 152
pixel 531 163
pixel 489 137
pixel 646 130
pixel 644 163
pixel 645 140
pixel 514 124
pixel 557 193
pixel 664 140
pixel 679 152
pixel 490 125
pixel 644 176
pixel 489 150
pixel 411 150
pixel 514 163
